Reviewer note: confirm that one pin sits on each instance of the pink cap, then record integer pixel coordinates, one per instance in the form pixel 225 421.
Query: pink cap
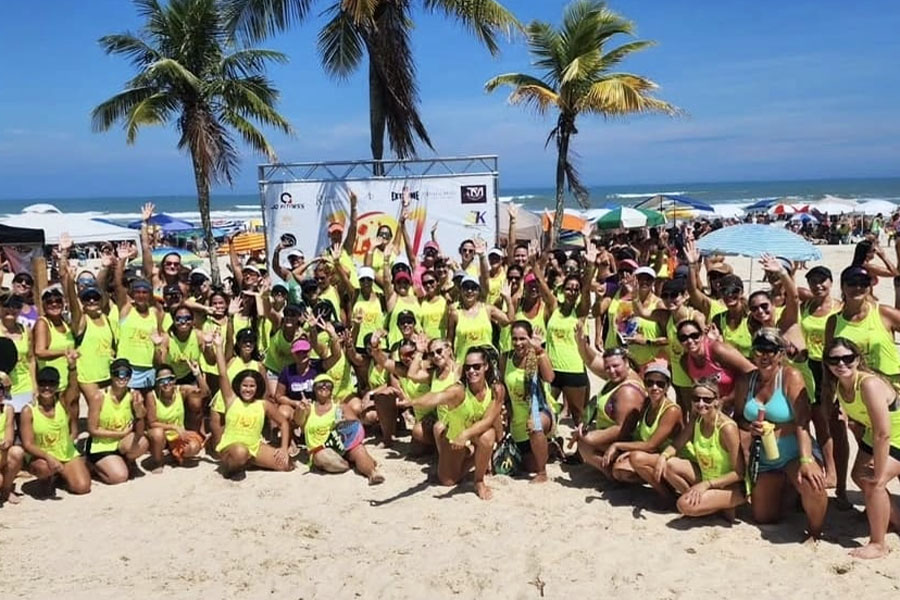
pixel 401 276
pixel 530 278
pixel 628 264
pixel 300 345
pixel 431 244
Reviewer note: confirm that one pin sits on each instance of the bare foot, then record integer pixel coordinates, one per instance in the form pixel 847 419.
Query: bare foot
pixel 376 478
pixel 157 469
pixel 539 478
pixel 483 491
pixel 10 498
pixel 870 550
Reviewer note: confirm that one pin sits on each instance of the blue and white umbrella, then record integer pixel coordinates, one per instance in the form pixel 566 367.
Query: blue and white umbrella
pixel 756 240
pixel 804 218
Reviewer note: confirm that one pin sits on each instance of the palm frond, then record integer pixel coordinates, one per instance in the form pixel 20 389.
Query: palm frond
pixel 249 61
pixel 527 90
pixel 617 55
pixel 116 108
pixel 360 12
pixel 137 50
pixel 546 45
pixel 168 71
pixel 340 44
pixel 486 19
pixel 623 93
pixel 252 136
pixel 254 98
pixel 258 19
pixel 153 110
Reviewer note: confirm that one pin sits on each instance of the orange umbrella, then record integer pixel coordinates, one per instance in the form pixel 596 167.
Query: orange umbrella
pixel 245 242
pixel 570 221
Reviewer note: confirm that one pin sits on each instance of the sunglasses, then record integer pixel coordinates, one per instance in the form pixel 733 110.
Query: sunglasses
pixel 766 350
pixel 704 399
pixel 731 292
pixel 53 301
pixel 24 282
pixel 165 380
pixel 469 287
pixel 122 374
pixel 406 322
pixel 572 290
pixel 170 263
pixel 429 282
pixel 763 306
pixel 437 352
pixel 472 367
pixel 683 337
pixel 384 235
pixel 657 383
pixel 466 251
pixel 186 319
pixel 817 280
pixel 325 384
pixel 847 359
pixel 91 300
pixel 430 252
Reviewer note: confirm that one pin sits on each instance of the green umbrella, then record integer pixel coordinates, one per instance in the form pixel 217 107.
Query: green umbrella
pixel 626 217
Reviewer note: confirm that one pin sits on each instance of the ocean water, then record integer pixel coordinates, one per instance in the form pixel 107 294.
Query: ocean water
pixel 247 206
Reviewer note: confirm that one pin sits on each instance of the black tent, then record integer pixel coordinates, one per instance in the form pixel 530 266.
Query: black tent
pixel 20 236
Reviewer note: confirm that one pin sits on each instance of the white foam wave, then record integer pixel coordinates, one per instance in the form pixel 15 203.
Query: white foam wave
pixel 648 194
pixel 193 217
pixel 519 197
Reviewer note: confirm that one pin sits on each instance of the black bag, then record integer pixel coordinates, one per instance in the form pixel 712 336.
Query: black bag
pixel 506 459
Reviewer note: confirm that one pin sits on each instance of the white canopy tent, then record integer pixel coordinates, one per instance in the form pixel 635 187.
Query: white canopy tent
pixel 832 205
pixel 875 207
pixel 81 227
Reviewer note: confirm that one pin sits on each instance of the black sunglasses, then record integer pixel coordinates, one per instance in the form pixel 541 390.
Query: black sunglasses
pixel 683 337
pixel 847 359
pixel 764 306
pixel 473 367
pixel 657 383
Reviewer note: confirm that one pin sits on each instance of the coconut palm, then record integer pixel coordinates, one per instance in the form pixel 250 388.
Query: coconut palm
pixel 190 74
pixel 380 29
pixel 576 77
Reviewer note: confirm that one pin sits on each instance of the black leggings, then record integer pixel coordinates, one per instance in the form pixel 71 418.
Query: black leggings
pixel 815 367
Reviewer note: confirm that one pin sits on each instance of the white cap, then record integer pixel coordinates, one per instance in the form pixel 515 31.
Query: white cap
pixel 645 271
pixel 364 272
pixel 295 252
pixel 400 261
pixel 469 279
pixel 201 271
pixel 251 267
pixel 496 252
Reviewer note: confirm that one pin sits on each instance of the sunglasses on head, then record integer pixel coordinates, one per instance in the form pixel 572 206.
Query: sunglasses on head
pixel 694 335
pixel 847 359
pixel 652 382
pixel 473 367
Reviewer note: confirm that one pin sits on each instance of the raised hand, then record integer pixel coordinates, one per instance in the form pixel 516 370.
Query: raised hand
pixel 590 252
pixel 769 263
pixel 194 366
pixel 480 246
pixel 158 338
pixel 65 242
pixel 235 305
pixel 421 341
pixel 513 209
pixel 137 406
pixel 123 250
pixel 217 339
pixel 147 211
pixel 690 250
pixel 537 342
pixel 587 229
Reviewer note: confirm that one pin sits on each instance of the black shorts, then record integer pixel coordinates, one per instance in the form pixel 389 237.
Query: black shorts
pixel 893 452
pixel 815 367
pixel 95 457
pixel 562 379
pixel 524 448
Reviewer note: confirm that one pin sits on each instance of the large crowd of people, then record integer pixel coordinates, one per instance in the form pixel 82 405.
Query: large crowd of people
pixel 711 397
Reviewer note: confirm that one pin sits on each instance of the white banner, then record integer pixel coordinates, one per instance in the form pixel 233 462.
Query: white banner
pixel 462 206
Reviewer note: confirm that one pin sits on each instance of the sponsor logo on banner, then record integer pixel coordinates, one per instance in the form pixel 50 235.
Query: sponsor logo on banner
pixel 477 218
pixel 395 196
pixel 473 194
pixel 286 201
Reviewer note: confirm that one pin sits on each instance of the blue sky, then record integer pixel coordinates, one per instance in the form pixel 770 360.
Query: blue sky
pixel 772 90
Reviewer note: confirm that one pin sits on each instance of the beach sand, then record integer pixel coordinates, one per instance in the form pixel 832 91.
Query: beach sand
pixel 190 533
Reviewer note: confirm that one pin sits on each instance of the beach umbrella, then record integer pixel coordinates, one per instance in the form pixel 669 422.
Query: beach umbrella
pixel 245 242
pixel 782 209
pixel 832 205
pixel 876 207
pixel 666 201
pixel 761 205
pixel 729 211
pixel 804 218
pixel 627 218
pixel 165 223
pixel 187 257
pixel 756 240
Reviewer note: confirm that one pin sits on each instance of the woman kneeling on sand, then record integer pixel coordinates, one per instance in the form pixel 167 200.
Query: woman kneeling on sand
pixel 713 480
pixel 334 434
pixel 245 414
pixel 472 416
pixel 165 418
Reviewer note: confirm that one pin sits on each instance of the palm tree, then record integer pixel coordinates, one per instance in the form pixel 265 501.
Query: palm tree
pixel 191 74
pixel 381 29
pixel 576 78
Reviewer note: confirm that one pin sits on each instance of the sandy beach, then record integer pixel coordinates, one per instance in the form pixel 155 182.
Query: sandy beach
pixel 190 533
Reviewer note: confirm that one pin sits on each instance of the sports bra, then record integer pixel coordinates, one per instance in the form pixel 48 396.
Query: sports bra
pixel 778 409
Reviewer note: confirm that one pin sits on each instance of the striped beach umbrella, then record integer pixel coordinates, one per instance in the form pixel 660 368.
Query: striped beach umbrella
pixel 627 218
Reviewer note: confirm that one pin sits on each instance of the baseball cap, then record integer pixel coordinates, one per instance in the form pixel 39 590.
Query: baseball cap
pixel 658 367
pixel 171 290
pixel 141 284
pixel 335 226
pixel 402 276
pixel 406 316
pixel 90 291
pixel 431 245
pixel 323 378
pixel 300 345
pixel 279 289
pixel 530 278
pixel 53 290
pixel 47 376
pixel 295 254
pixel 365 273
pixel 495 252
pixel 627 263
pixel 460 274
pixel 251 267
pixel 819 272
pixel 469 279
pixel 645 271
pixel 720 267
pixel 853 273
pixel 199 274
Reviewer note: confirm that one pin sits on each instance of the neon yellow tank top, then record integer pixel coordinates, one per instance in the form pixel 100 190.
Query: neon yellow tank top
pixel 739 337
pixel 236 366
pixel 171 414
pixel 415 390
pixel 52 434
pixel 675 350
pixel 95 352
pixel 439 385
pixel 409 303
pixel 372 316
pixel 711 455
pixel 856 410
pixel 211 326
pixel 377 376
pixel 561 345
pixel 243 425
pixel 330 295
pixel 456 419
pixel 58 341
pixel 113 316
pixel 341 373
pixel 318 427
pixel 538 327
pixel 479 407
pixel 472 331
pixel 813 329
pixel 181 352
pixel 645 432
pixel 432 315
pixel 20 376
pixel 620 313
pixel 134 341
pixel 278 355
pixel 875 342
pixel 514 378
pixel 114 416
pixel 495 284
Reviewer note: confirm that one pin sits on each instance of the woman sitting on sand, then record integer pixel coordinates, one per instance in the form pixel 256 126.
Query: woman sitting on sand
pixel 873 406
pixel 11 454
pixel 48 429
pixel 473 408
pixel 613 414
pixel 775 394
pixel 523 368
pixel 712 481
pixel 334 434
pixel 245 414
pixel 166 409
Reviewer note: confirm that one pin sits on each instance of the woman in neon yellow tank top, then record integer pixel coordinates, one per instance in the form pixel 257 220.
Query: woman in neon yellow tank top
pixel 569 375
pixel 334 434
pixel 871 403
pixel 433 311
pixel 533 411
pixel 166 419
pixel 367 315
pixel 473 417
pixel 11 454
pixel 831 431
pixel 612 415
pixel 52 334
pixel 641 336
pixel 95 339
pixel 529 306
pixel 713 481
pixel 245 414
pixel 216 322
pixel 48 432
pixel 21 391
pixel 398 298
pixel 116 422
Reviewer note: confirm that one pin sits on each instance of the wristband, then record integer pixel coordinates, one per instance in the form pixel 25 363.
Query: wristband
pixel 806 460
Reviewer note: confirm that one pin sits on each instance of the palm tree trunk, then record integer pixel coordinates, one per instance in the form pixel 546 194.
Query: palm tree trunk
pixel 377 119
pixel 202 182
pixel 562 160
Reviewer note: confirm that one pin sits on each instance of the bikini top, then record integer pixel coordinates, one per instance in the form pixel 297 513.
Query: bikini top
pixel 778 409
